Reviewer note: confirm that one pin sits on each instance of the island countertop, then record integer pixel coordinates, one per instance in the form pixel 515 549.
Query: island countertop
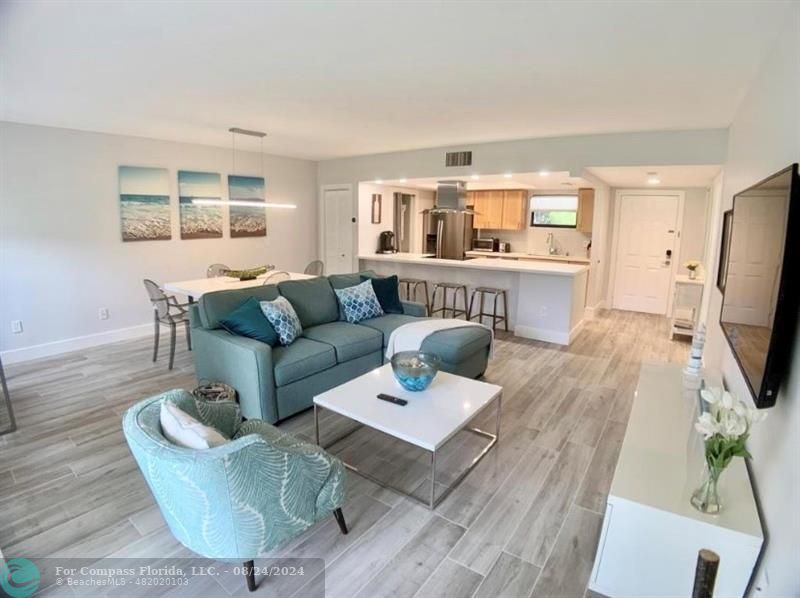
pixel 499 265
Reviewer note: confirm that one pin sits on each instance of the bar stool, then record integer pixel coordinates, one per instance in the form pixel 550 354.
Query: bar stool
pixel 410 285
pixel 482 292
pixel 455 287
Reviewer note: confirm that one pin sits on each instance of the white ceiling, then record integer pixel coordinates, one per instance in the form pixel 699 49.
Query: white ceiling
pixel 329 79
pixel 670 176
pixel 554 181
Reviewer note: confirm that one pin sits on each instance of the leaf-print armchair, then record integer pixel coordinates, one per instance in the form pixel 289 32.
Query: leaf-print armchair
pixel 237 501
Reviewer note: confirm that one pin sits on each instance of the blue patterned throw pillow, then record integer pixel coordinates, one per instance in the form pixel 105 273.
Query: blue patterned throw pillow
pixel 359 302
pixel 283 318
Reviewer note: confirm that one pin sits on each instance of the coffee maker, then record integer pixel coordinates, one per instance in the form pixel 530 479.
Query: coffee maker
pixel 386 242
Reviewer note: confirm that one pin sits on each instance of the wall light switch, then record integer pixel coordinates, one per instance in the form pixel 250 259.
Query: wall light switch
pixel 16 326
pixel 103 313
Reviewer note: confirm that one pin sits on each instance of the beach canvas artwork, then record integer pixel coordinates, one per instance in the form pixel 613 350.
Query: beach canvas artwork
pixel 199 221
pixel 144 204
pixel 247 221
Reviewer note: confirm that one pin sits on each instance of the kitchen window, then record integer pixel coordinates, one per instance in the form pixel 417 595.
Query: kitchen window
pixel 554 211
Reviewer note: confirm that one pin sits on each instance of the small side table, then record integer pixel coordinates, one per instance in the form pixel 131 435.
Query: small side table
pixel 686 299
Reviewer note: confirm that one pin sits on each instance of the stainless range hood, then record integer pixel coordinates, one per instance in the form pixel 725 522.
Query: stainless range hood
pixel 451 198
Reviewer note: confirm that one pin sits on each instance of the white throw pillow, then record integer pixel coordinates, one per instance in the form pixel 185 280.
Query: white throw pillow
pixel 182 429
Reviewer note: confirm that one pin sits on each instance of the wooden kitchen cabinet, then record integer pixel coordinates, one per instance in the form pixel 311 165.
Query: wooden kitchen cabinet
pixel 499 209
pixel 585 210
pixel 515 203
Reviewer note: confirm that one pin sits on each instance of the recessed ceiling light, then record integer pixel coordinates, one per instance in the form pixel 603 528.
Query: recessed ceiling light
pixel 544 173
pixel 475 177
pixel 508 175
pixel 379 181
pixel 652 178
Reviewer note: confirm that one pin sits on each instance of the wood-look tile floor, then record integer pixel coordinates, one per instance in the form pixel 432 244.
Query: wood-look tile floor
pixel 524 523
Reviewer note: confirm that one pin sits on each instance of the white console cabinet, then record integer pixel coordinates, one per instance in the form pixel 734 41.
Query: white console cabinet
pixel 651 533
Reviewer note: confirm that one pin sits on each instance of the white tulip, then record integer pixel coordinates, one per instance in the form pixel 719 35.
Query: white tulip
pixel 707 425
pixel 709 396
pixel 727 400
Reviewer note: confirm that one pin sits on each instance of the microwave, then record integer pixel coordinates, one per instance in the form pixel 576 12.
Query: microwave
pixel 488 245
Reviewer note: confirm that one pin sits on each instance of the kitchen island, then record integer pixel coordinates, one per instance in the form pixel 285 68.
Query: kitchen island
pixel 546 299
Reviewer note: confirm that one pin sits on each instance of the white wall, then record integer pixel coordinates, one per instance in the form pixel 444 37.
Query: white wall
pixel 61 254
pixel 764 138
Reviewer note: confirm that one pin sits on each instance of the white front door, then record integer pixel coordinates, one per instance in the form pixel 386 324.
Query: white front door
pixel 647 231
pixel 754 265
pixel 338 210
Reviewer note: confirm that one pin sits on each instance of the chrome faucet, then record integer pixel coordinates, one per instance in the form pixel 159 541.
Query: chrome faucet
pixel 551 245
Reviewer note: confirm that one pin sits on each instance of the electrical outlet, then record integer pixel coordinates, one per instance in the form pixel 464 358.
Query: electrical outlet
pixel 103 313
pixel 16 326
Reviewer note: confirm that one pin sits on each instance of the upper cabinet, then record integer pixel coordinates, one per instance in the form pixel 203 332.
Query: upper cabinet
pixel 500 209
pixel 585 210
pixel 515 212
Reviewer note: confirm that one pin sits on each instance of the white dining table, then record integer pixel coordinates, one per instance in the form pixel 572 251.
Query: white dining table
pixel 194 289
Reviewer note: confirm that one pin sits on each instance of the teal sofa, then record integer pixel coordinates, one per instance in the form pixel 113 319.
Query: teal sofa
pixel 238 501
pixel 274 383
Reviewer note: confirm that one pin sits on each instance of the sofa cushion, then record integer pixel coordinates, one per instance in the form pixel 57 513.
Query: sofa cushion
pixel 342 281
pixel 386 324
pixel 302 358
pixel 455 345
pixel 388 292
pixel 215 306
pixel 283 318
pixel 313 300
pixel 248 320
pixel 349 340
pixel 359 302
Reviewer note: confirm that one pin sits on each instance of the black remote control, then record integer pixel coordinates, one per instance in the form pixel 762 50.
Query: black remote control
pixel 391 399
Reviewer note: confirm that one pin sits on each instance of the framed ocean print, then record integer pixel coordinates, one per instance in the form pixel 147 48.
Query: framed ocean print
pixel 200 220
pixel 247 220
pixel 144 204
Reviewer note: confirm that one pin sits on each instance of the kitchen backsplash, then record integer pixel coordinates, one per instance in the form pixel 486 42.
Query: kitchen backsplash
pixel 534 240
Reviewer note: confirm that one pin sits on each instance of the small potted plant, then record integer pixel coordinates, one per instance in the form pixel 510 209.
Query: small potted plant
pixel 692 266
pixel 725 428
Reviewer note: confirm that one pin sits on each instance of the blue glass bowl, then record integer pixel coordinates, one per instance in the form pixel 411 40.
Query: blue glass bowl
pixel 415 370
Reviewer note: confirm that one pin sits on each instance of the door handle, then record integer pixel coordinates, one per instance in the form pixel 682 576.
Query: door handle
pixel 668 258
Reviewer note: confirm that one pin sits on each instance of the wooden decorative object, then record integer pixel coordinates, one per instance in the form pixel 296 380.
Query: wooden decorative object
pixel 705 574
pixel 377 199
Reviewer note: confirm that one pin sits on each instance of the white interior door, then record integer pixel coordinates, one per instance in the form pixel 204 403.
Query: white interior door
pixel 646 232
pixel 338 209
pixel 753 267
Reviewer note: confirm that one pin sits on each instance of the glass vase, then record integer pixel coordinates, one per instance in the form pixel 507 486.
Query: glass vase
pixel 706 498
pixel 692 274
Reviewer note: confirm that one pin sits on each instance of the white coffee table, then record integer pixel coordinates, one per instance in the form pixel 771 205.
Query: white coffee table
pixel 428 421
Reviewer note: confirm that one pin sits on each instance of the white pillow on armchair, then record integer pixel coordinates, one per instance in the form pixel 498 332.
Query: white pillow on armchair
pixel 182 429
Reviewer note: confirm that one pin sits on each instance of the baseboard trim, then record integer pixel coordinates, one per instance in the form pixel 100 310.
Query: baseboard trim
pixel 74 344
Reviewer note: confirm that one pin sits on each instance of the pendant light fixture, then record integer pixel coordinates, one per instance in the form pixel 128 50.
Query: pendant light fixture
pixel 234 131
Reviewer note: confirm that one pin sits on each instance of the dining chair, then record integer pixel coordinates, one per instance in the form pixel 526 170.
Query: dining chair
pixel 217 270
pixel 276 276
pixel 315 268
pixel 167 311
pixel 7 422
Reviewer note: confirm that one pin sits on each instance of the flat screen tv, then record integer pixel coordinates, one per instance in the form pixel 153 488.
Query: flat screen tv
pixel 760 257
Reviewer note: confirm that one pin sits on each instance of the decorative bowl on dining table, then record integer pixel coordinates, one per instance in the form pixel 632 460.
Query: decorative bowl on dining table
pixel 415 370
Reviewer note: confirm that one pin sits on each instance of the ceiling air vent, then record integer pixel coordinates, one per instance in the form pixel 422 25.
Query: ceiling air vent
pixel 458 159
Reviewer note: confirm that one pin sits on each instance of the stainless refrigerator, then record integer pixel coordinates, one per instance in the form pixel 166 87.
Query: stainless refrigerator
pixel 447 235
